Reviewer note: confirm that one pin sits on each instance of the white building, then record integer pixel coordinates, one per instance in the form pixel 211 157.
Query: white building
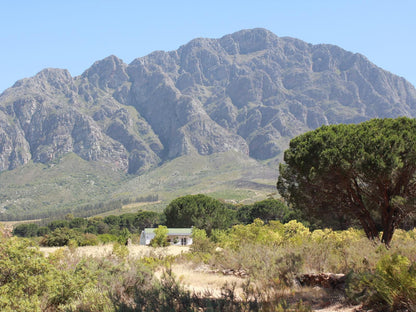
pixel 176 236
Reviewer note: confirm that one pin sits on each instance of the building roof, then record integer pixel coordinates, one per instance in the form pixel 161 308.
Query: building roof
pixel 171 231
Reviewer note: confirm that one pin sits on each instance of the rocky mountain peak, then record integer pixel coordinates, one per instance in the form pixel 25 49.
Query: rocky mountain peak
pixel 107 73
pixel 248 41
pixel 46 79
pixel 249 92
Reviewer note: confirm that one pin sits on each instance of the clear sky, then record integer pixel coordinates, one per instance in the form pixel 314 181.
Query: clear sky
pixel 74 34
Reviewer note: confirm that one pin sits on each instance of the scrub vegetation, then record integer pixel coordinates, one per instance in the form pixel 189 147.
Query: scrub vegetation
pixel 268 264
pixel 349 241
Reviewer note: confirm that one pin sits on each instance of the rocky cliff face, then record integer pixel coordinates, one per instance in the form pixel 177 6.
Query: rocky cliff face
pixel 250 91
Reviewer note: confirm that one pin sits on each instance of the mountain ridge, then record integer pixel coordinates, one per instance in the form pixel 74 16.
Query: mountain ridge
pixel 234 65
pixel 248 92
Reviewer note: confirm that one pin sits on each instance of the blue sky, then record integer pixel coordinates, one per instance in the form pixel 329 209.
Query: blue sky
pixel 74 34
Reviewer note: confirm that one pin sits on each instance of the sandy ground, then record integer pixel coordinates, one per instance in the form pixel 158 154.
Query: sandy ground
pixel 339 308
pixel 199 280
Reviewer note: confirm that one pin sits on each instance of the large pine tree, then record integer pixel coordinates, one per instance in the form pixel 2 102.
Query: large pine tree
pixel 365 171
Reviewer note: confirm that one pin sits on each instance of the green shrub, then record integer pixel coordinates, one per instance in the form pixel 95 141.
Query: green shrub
pixel 124 236
pixel 107 238
pixel 59 237
pixel 92 299
pixel 391 287
pixel 31 282
pixel 26 230
pixel 43 230
pixel 58 224
pixel 24 276
pixel 201 242
pixel 88 239
pixel 161 237
pixel 62 237
pixel 120 251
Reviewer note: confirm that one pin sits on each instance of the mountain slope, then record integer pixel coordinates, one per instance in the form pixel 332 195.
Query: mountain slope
pixel 249 92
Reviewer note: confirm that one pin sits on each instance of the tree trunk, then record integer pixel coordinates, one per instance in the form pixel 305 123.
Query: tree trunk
pixel 363 215
pixel 388 225
pixel 369 227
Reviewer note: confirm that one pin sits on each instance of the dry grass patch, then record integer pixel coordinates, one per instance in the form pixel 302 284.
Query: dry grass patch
pixel 201 280
pixel 141 251
pixel 135 251
pixel 13 223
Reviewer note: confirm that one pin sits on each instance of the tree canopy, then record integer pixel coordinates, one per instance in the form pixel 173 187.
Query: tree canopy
pixel 366 171
pixel 266 210
pixel 199 210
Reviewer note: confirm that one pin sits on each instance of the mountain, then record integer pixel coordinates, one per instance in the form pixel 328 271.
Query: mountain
pixel 248 93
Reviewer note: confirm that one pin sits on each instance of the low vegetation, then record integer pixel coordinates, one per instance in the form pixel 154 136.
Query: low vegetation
pixel 269 256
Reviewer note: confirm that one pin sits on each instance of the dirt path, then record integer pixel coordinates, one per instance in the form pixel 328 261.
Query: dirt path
pixel 339 308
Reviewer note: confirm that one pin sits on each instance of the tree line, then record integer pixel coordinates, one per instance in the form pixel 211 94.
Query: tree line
pixel 200 211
